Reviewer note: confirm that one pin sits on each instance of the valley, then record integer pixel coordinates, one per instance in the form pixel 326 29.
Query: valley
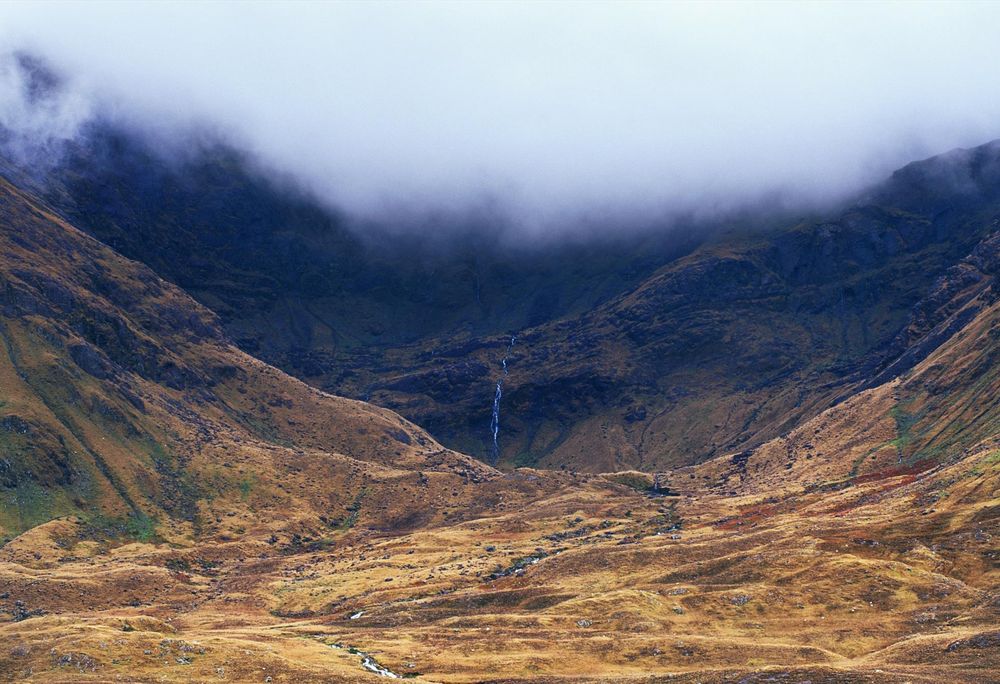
pixel 177 510
pixel 246 437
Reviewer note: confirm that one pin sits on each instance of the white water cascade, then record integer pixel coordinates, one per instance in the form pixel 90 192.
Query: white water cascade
pixel 495 423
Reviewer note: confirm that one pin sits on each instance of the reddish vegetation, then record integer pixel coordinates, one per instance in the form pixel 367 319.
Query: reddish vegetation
pixel 910 471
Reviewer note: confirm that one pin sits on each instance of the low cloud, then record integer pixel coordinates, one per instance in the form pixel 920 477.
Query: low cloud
pixel 555 115
pixel 38 111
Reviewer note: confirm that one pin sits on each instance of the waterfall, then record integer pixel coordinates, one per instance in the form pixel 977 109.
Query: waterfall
pixel 495 423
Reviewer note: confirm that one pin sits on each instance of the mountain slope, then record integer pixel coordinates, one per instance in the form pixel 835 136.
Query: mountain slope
pixel 653 348
pixel 725 348
pixel 938 407
pixel 123 400
pixel 176 510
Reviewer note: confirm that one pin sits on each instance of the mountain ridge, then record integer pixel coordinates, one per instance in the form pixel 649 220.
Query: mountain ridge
pixel 422 338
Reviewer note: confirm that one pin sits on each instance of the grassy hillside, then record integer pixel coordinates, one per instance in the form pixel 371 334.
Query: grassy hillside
pixel 124 403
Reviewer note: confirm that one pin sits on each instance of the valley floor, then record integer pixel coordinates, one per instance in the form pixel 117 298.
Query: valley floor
pixel 891 579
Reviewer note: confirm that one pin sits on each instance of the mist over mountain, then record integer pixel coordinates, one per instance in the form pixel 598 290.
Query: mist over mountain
pixel 491 342
pixel 620 316
pixel 554 119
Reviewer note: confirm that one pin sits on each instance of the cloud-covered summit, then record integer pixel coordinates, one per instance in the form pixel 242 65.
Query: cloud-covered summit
pixel 38 110
pixel 554 112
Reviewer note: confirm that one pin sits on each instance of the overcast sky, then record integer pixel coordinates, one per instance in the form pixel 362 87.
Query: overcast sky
pixel 551 110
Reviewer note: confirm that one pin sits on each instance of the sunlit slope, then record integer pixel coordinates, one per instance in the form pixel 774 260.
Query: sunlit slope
pixel 123 401
pixel 879 581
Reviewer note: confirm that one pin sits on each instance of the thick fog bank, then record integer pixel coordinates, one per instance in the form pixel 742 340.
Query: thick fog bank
pixel 551 118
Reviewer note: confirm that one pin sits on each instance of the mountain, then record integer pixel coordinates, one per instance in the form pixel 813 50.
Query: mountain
pixel 651 349
pixel 174 509
pixel 796 422
pixel 125 404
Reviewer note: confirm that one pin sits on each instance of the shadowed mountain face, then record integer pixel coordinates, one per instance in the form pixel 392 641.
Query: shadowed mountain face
pixel 295 284
pixel 654 349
